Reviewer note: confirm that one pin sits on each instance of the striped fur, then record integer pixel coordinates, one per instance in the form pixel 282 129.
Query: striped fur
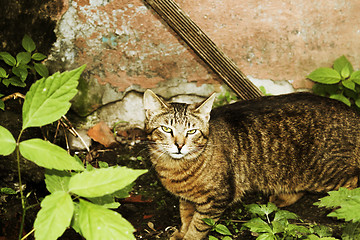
pixel 282 145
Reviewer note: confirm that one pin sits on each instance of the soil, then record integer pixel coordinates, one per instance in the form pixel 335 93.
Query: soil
pixel 151 209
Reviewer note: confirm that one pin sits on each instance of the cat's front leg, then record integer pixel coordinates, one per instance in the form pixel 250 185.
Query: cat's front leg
pixel 186 214
pixel 198 229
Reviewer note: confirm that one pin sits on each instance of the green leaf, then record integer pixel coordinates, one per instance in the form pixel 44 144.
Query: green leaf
pixel 28 44
pixel 347 200
pixel 7 141
pixel 49 98
pixel 355 77
pixel 15 81
pixel 296 230
pixel 266 236
pixel 103 164
pixel 349 210
pixel 261 209
pixel 322 231
pixel 107 201
pixel 357 102
pixel 325 75
pixel 225 238
pixel 348 83
pixel 332 238
pixel 124 192
pixel 258 225
pixel 341 63
pixel 213 238
pixel 20 71
pixel 8 59
pixel 345 72
pixel 97 222
pixel 2 105
pixel 54 217
pixel 324 89
pixel 278 226
pixel 209 221
pixel 23 58
pixel 48 155
pixel 56 180
pixel 38 56
pixel 269 208
pixel 41 69
pixel 351 231
pixel 75 220
pixel 222 229
pixel 340 97
pixel 3 73
pixel 312 237
pixel 283 214
pixel 103 181
pixel 8 191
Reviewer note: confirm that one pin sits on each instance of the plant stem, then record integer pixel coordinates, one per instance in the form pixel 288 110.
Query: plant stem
pixel 28 234
pixel 23 202
pixel 268 219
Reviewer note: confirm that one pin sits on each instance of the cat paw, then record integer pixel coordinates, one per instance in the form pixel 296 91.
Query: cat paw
pixel 177 235
pixel 285 199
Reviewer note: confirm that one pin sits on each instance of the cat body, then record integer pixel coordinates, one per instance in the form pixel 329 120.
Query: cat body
pixel 283 145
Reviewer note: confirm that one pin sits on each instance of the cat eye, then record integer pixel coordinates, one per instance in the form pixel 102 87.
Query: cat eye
pixel 166 129
pixel 192 131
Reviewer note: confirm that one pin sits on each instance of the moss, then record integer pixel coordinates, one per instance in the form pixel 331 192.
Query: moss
pixel 86 101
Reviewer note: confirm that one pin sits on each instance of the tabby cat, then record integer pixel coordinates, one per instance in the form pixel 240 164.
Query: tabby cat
pixel 283 145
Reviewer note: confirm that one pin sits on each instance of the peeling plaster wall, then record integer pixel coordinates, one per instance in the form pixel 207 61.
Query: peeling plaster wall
pixel 128 48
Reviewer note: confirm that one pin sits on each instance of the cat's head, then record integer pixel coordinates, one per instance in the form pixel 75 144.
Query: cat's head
pixel 178 130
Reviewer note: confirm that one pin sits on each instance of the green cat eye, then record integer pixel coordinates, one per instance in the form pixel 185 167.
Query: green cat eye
pixel 166 129
pixel 192 131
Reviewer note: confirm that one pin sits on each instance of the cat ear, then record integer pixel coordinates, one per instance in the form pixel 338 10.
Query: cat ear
pixel 153 104
pixel 205 107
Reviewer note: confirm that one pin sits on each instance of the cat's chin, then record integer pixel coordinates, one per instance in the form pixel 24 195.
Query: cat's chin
pixel 177 155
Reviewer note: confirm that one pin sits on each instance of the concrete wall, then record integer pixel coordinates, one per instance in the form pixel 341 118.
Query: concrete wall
pixel 128 48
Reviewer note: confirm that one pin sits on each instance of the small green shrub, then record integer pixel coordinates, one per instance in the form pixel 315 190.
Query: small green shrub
pixel 271 223
pixel 224 99
pixel 340 82
pixel 219 228
pixel 80 196
pixel 21 65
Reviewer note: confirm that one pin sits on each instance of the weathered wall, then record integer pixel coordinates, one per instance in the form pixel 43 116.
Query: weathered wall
pixel 128 48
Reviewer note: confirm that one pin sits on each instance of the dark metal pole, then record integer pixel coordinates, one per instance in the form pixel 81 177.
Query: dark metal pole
pixel 205 48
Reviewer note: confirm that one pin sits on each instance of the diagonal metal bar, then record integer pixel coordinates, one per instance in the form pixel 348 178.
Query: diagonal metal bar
pixel 205 48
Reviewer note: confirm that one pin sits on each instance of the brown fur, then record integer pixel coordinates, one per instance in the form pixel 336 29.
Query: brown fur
pixel 283 145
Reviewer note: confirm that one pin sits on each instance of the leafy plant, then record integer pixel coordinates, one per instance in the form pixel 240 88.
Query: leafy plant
pixel 263 90
pixel 219 228
pixel 271 223
pixel 80 196
pixel 346 203
pixel 225 98
pixel 21 65
pixel 340 82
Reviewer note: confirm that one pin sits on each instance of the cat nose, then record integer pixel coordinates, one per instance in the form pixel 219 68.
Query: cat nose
pixel 179 146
